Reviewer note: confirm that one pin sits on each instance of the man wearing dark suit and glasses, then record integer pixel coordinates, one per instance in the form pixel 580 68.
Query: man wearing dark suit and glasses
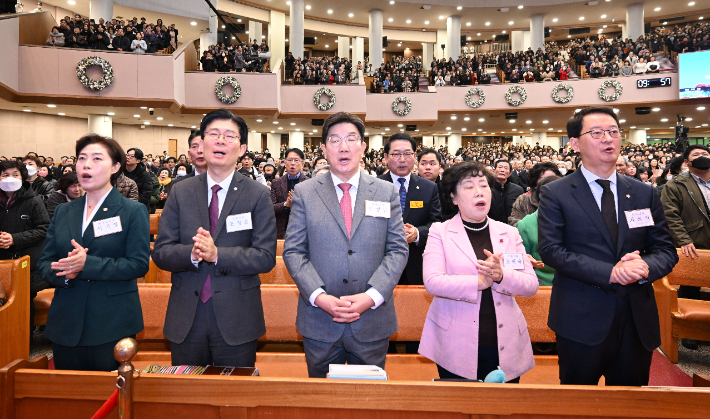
pixel 217 234
pixel 602 308
pixel 345 249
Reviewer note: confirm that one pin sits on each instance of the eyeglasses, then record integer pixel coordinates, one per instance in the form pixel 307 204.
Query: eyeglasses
pixel 336 140
pixel 229 137
pixel 397 156
pixel 598 133
pixel 130 155
pixel 293 160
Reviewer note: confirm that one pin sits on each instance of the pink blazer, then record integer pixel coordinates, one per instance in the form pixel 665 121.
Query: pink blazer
pixel 450 336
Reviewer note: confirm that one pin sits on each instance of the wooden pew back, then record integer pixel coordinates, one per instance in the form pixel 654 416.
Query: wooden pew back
pixel 154 222
pixel 692 272
pixel 15 314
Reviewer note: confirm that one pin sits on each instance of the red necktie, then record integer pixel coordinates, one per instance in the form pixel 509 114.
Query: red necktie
pixel 206 292
pixel 346 206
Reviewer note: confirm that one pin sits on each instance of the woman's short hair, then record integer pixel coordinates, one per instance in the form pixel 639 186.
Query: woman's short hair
pixel 115 151
pixel 67 180
pixel 455 174
pixel 164 169
pixel 14 164
pixel 537 170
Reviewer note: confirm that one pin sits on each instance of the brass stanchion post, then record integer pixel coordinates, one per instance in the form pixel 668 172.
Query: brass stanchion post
pixel 124 352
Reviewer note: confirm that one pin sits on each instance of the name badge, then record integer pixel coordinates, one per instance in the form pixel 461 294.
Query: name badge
pixel 416 204
pixel 377 209
pixel 239 222
pixel 513 261
pixel 107 226
pixel 639 218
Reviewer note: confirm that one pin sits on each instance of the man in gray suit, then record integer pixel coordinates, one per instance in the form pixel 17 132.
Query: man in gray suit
pixel 217 234
pixel 345 249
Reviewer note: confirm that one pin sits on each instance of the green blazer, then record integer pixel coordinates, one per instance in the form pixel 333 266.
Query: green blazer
pixel 527 227
pixel 101 304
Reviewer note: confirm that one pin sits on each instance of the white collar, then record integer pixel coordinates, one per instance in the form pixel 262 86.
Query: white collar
pixel 224 184
pixel 591 177
pixel 406 178
pixel 354 181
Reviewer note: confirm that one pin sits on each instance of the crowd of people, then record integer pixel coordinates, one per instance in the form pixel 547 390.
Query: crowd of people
pixel 113 35
pixel 320 70
pixel 226 58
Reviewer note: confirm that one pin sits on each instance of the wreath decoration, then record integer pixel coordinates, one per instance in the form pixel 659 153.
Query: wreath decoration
pixel 618 89
pixel 562 99
pixel 407 105
pixel 473 92
pixel 516 102
pixel 235 85
pixel 319 93
pixel 105 80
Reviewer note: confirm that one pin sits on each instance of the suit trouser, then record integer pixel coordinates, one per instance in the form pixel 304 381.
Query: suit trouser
pixel 204 344
pixel 86 358
pixel 319 355
pixel 621 358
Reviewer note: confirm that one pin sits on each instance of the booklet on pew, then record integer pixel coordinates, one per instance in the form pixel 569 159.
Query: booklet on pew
pixel 356 372
pixel 197 370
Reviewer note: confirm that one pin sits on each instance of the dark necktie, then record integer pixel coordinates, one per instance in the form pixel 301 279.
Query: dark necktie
pixel 346 206
pixel 206 292
pixel 609 211
pixel 402 194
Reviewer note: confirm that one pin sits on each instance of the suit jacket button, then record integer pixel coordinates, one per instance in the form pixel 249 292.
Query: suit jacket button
pixel 350 252
pixel 345 281
pixel 500 326
pixel 197 293
pixel 498 303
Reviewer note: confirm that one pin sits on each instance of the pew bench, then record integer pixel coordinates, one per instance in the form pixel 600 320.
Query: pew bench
pixel 15 314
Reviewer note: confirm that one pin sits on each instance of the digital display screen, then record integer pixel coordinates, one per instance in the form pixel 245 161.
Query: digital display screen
pixel 694 75
pixel 660 82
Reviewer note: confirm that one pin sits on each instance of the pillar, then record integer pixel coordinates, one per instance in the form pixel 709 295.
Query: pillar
pixel 440 40
pixel 376 142
pixel 295 30
pixel 101 124
pixel 277 36
pixel 518 140
pixel 254 142
pixel 634 21
pixel 637 136
pixel 453 37
pixel 427 142
pixel 375 41
pixel 517 41
pixel 295 139
pixel 427 55
pixel 454 142
pixel 209 38
pixel 273 143
pixel 359 51
pixel 344 47
pixel 256 31
pixel 537 32
pixel 439 141
pixel 624 33
pixel 101 9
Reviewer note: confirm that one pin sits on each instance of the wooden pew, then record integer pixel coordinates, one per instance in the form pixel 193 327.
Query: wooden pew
pixel 154 222
pixel 15 314
pixel 279 247
pixel 681 317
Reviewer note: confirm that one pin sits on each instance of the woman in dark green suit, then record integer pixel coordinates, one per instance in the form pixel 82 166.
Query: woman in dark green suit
pixel 96 247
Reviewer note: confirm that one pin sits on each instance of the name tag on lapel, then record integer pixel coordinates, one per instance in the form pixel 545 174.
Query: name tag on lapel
pixel 377 209
pixel 239 222
pixel 639 218
pixel 416 204
pixel 513 261
pixel 107 226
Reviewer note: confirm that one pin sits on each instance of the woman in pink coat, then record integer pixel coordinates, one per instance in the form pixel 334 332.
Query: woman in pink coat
pixel 474 266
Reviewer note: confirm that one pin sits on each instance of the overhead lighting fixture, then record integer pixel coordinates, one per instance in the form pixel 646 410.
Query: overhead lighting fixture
pixel 426 22
pixel 51 106
pixel 510 22
pixel 448 128
pixel 111 113
pixel 459 8
pixel 520 7
pixel 391 2
pixel 137 116
pixel 350 15
pixel 468 39
pixel 481 119
pixel 512 121
pixel 409 21
pixel 387 129
pixel 545 121
pixel 292 123
pixel 330 11
pixel 528 122
pixel 326 45
pixel 400 125
pixel 61 114
pixel 71 2
pixel 664 120
pixel 463 129
pixel 160 118
pixel 467 119
pixel 621 121
pixel 555 20
pixel 692 3
pixel 569 36
pixel 581 18
pixel 488 23
pixel 453 117
pixel 656 109
pixel 504 31
pixel 390 20
pixel 281 127
pixel 258 120
pixel 468 23
pixel 603 16
pixel 657 9
pixel 550 129
pixel 27 110
pixel 478 34
pixel 146 123
pixel 193 127
pixel 308 7
pixel 193 23
pixel 688 119
pixel 701 108
pixel 632 127
pixel 170 125
pixel 144 107
pixel 441 17
pixel 239 21
pixel 223 26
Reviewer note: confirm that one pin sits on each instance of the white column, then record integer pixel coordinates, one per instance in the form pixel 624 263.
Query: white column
pixel 439 141
pixel 277 36
pixel 375 42
pixel 537 32
pixel 295 30
pixel 453 37
pixel 273 143
pixel 209 38
pixel 428 142
pixel 624 32
pixel 258 32
pixel 440 40
pixel 254 142
pixel 295 139
pixel 634 20
pixel 359 51
pixel 427 55
pixel 454 142
pixel 517 41
pixel 637 136
pixel 101 124
pixel 376 142
pixel 344 47
pixel 101 9
pixel 518 140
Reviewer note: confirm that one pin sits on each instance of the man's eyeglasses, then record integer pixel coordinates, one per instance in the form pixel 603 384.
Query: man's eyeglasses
pixel 598 133
pixel 336 140
pixel 229 137
pixel 407 155
pixel 293 160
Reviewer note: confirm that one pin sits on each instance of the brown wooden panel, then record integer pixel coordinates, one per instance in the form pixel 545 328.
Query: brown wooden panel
pixel 35 28
pixel 264 412
pixel 691 271
pixel 15 314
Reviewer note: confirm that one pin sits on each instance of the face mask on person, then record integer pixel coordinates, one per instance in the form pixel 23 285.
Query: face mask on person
pixel 31 170
pixel 10 184
pixel 701 163
pixel 181 173
pixel 684 170
pixel 562 171
pixel 669 177
pixel 43 172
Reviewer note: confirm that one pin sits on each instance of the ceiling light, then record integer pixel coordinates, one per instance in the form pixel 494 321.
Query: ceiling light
pixel 27 110
pixel 657 9
pixel 581 18
pixel 61 114
pixel 239 21
pixel 51 106
pixel 603 16
pixel 193 23
pixel 144 107
pixel 459 8
pixel 468 23
pixel 555 20
pixel 510 22
pixel 488 23
pixel 275 122
pixel 426 22
pixel 481 119
pixel 287 40
pixel 146 123
pixel 688 119
pixel 664 120
pixel 193 127
pixel 281 127
pixel 350 15
pixel 632 127
pixel 665 23
pixel 315 37
pixel 160 118
pixel 137 116
pixel 528 122
pixel 692 3
pixel 604 26
pixel 700 18
pixel 569 36
pixel 326 45
pixel 111 113
pixel 390 20
pixel 391 2
pixel 453 117
pixel 512 121
pixel 621 121
pixel 330 11
pixel 308 7
pixel 504 31
pixel 701 108
pixel 463 129
pixel 550 129
pixel 409 21
pixel 400 125
pixel 223 26
pixel 656 109
pixel 293 123
pixel 170 125
pixel 520 7
pixel 467 119
pixel 545 121
pixel 298 129
pixel 478 34
pixel 448 128
pixel 71 2
pixel 468 39
pixel 387 129
pixel 515 129
pixel 441 17
pixel 705 125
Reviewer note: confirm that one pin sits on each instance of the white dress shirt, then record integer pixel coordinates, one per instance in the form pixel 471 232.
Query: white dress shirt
pixel 86 221
pixel 221 196
pixel 354 182
pixel 406 187
pixel 597 189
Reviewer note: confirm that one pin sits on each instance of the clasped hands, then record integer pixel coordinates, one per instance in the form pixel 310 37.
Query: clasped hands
pixel 489 270
pixel 345 309
pixel 411 233
pixel 71 265
pixel 629 269
pixel 204 248
pixel 6 240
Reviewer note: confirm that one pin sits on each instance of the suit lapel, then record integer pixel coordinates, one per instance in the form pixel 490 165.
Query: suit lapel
pixel 365 192
pixel 76 219
pixel 326 192
pixel 499 238
pixel 584 197
pixel 460 238
pixel 235 190
pixel 109 208
pixel 201 202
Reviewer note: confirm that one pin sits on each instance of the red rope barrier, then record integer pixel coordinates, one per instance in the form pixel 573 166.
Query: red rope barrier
pixel 107 407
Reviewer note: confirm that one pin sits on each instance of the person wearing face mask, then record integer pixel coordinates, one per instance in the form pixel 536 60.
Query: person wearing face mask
pixel 23 223
pixel 40 185
pixel 685 201
pixel 562 168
